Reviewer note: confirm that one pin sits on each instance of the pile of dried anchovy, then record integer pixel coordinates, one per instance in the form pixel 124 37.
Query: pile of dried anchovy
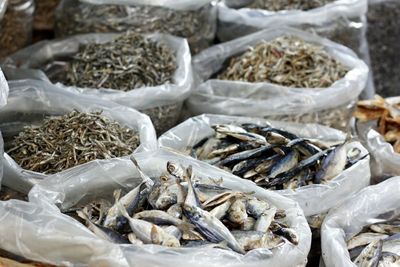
pixel 44 14
pixel 274 158
pixel 377 245
pixel 66 141
pixel 387 116
pixel 278 5
pixel 128 62
pixel 16 26
pixel 287 61
pixel 78 17
pixel 180 210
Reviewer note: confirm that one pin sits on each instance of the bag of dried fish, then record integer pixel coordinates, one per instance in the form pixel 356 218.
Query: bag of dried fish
pixel 16 17
pixel 151 73
pixel 341 21
pixel 285 75
pixel 378 126
pixel 194 20
pixel 48 129
pixel 88 190
pixel 312 164
pixel 384 45
pixel 45 14
pixel 364 231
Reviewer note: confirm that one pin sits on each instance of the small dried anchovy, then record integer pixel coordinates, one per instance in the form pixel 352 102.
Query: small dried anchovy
pixel 274 158
pixel 178 209
pixel 78 17
pixel 287 61
pixel 66 141
pixel 44 14
pixel 278 5
pixel 130 61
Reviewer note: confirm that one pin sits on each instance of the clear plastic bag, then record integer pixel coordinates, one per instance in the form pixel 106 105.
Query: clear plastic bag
pixel 23 225
pixel 374 203
pixel 162 103
pixel 313 199
pixel 341 21
pixel 194 20
pixel 266 99
pixel 384 45
pixel 31 100
pixel 15 25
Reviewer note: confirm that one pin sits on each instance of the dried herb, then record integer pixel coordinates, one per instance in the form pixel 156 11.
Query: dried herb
pixel 278 5
pixel 79 17
pixel 45 14
pixel 16 26
pixel 66 141
pixel 287 61
pixel 130 61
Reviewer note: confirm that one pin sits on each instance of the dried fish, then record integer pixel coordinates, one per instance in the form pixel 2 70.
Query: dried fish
pixel 128 62
pixel 387 116
pixel 289 163
pixel 231 220
pixel 66 141
pixel 376 245
pixel 278 5
pixel 287 61
pixel 16 26
pixel 83 17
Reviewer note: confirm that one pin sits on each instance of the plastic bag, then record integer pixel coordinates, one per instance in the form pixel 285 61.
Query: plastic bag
pixel 25 224
pixel 194 20
pixel 30 100
pixel 162 103
pixel 313 199
pixel 341 21
pixel 16 17
pixel 380 201
pixel 274 101
pixel 384 45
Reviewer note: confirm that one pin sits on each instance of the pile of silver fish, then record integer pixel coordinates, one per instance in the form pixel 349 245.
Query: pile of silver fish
pixel 377 245
pixel 179 210
pixel 274 158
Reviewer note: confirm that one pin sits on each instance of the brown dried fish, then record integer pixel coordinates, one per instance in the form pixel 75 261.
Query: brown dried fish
pixel 287 61
pixel 66 141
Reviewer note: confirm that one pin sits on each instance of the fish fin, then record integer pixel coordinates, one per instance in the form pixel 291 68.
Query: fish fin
pixel 145 177
pixel 155 235
pixel 123 210
pixel 117 194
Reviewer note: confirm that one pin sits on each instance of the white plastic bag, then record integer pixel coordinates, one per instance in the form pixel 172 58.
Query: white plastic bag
pixel 385 162
pixel 342 21
pixel 380 201
pixel 194 20
pixel 329 106
pixel 30 100
pixel 3 101
pixel 313 199
pixel 98 179
pixel 162 103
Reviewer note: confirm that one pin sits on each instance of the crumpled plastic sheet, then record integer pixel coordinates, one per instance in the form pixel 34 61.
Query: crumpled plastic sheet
pixel 371 205
pixel 30 100
pixel 313 199
pixel 37 230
